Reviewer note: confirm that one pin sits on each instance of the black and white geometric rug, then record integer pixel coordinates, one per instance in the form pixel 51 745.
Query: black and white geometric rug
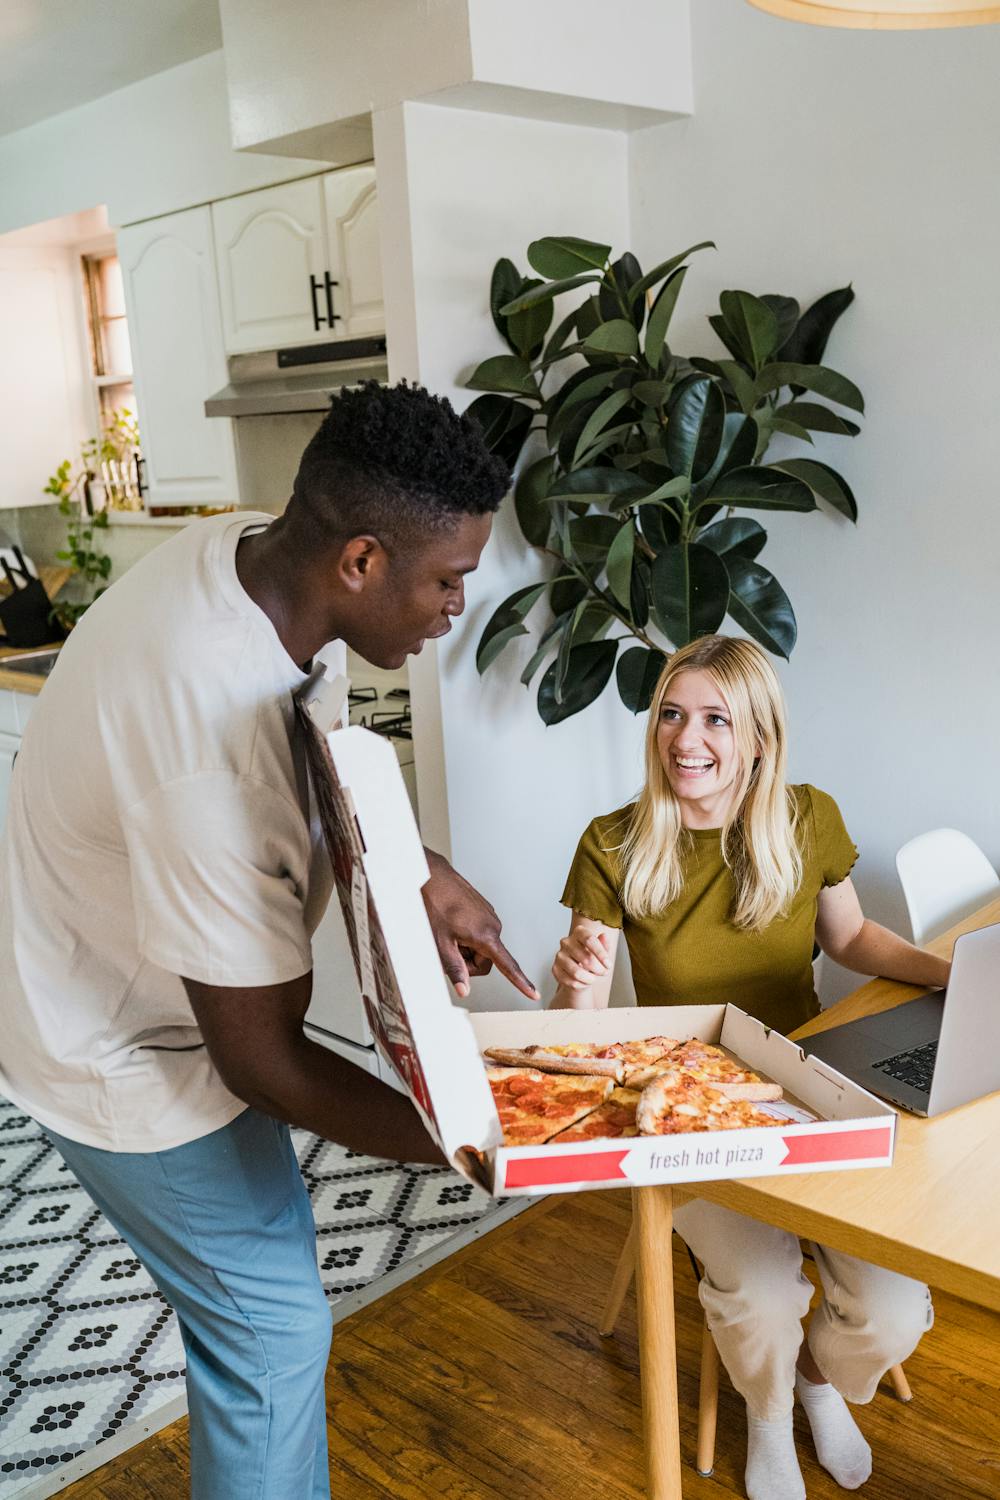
pixel 90 1355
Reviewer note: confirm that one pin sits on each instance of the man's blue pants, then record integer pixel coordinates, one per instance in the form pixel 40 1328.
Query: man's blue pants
pixel 225 1228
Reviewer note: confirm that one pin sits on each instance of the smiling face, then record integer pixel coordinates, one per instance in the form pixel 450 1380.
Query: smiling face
pixel 698 750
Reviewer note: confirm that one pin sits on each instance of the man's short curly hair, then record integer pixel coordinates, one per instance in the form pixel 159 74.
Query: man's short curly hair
pixel 394 462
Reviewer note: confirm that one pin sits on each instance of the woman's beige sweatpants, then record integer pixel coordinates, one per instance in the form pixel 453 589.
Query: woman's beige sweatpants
pixel 755 1296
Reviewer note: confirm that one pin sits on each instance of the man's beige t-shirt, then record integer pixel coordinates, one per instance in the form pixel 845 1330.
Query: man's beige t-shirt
pixel 158 825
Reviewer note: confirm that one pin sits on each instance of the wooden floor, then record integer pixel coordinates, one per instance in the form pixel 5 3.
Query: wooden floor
pixel 485 1377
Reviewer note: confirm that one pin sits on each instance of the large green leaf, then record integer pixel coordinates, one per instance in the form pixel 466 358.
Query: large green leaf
pixel 545 293
pixel 534 515
pixel 591 538
pixel 565 594
pixel 506 373
pixel 619 564
pixel 506 622
pixel 627 272
pixel 752 325
pixel 818 378
pixel 786 311
pixel 664 269
pixel 557 626
pixel 739 534
pixel 599 483
pixel 737 448
pixel 556 346
pixel 505 284
pixel 806 344
pixel 824 482
pixel 695 424
pixel 557 257
pixel 587 673
pixel 816 418
pixel 599 419
pixel 526 330
pixel 582 385
pixel 690 591
pixel 505 423
pixel 760 606
pixel 762 488
pixel 638 672
pixel 641 593
pixel 718 323
pixel 659 318
pixel 660 525
pixel 616 337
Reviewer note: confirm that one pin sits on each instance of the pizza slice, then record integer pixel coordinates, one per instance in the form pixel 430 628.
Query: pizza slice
pixel 591 1058
pixel 712 1066
pixel 612 1120
pixel 676 1103
pixel 640 1056
pixel 534 1106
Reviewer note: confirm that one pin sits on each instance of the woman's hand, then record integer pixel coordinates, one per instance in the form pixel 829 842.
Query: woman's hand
pixel 584 964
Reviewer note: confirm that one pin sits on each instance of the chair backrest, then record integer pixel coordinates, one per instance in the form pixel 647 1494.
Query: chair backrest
pixel 945 876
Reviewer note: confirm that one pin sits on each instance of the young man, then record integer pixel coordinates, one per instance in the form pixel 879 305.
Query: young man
pixel 160 879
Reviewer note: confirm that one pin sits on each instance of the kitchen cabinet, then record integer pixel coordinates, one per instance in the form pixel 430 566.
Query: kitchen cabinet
pixel 299 263
pixel 172 301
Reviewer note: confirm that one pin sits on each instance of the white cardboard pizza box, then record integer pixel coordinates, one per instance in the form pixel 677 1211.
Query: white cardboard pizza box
pixel 434 1046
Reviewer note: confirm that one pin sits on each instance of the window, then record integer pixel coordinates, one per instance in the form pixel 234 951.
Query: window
pixel 117 456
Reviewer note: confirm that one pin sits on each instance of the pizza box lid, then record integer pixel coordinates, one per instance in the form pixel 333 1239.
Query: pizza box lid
pixel 435 1047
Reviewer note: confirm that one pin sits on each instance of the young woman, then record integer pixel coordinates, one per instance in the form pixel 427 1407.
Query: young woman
pixel 722 877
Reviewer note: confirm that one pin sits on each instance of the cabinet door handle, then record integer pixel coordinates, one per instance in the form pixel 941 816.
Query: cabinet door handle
pixel 331 316
pixel 314 286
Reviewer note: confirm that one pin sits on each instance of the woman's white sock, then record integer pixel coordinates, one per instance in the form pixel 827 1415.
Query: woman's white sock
pixel 840 1447
pixel 773 1471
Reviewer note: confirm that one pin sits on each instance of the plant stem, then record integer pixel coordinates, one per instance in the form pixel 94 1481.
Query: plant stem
pixel 606 598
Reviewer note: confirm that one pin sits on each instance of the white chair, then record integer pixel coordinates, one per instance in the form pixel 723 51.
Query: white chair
pixel 945 876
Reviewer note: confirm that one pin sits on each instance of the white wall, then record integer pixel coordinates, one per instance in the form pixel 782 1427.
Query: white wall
pixel 476 187
pixel 817 157
pixel 154 147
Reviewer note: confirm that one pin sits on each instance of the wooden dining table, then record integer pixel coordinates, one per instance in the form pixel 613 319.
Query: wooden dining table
pixel 933 1215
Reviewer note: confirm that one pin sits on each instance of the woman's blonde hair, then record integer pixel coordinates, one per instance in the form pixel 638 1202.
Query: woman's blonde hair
pixel 759 836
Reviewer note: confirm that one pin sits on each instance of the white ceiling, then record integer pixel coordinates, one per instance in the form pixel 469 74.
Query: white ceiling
pixel 56 54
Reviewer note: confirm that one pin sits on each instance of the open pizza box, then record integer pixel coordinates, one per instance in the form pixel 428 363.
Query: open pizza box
pixel 435 1047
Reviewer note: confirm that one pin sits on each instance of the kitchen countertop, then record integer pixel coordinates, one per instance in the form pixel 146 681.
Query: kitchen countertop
pixel 23 682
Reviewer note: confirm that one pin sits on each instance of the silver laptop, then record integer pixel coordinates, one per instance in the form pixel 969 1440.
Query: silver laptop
pixel 935 1052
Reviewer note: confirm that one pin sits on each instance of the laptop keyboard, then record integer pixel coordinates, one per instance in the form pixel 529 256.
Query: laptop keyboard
pixel 915 1067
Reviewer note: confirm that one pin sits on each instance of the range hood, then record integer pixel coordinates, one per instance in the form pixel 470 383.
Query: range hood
pixel 291 380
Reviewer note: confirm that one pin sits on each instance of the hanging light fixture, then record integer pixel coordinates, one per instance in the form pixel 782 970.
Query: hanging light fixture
pixel 890 15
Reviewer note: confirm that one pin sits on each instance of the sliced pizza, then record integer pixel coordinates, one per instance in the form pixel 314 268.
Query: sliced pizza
pixel 640 1055
pixel 611 1120
pixel 676 1103
pixel 534 1106
pixel 712 1066
pixel 591 1058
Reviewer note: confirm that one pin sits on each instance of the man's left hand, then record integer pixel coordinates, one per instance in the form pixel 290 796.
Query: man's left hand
pixel 467 930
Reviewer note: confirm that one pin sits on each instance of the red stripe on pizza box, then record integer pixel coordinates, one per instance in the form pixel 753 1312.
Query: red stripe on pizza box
pixel 545 1171
pixel 837 1145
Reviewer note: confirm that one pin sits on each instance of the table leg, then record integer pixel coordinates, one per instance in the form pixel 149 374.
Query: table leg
pixel 657 1352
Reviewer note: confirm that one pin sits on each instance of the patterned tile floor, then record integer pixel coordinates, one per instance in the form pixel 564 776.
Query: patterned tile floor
pixel 88 1346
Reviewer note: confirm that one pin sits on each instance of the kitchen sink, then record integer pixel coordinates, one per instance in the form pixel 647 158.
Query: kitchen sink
pixel 37 663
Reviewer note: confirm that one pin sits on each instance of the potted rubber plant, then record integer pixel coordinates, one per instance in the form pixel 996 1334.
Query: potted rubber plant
pixel 637 463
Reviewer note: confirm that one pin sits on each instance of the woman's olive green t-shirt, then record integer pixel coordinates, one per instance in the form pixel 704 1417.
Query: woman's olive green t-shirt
pixel 691 953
